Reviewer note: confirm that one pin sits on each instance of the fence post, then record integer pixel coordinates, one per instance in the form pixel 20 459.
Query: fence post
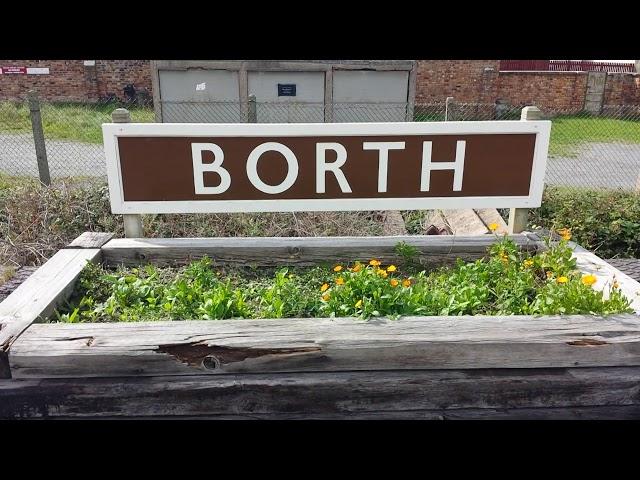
pixel 38 137
pixel 518 216
pixel 132 222
pixel 253 110
pixel 448 109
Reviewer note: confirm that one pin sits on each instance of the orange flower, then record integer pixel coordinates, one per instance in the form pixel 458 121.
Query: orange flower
pixel 382 273
pixel 337 268
pixel 616 284
pixel 406 283
pixel 391 268
pixel 339 281
pixel 394 283
pixel 374 262
pixel 565 233
pixel 324 287
pixel 356 268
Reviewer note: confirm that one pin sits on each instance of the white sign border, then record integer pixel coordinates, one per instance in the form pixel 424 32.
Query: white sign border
pixel 111 131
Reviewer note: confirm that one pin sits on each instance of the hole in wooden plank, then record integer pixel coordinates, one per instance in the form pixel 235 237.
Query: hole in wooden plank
pixel 587 342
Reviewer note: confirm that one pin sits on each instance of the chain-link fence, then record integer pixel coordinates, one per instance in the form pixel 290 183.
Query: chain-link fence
pixel 586 150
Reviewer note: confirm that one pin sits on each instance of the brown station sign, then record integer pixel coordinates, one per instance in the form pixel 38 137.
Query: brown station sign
pixel 188 168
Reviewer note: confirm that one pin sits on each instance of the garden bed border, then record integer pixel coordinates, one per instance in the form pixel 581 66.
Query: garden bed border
pixel 588 366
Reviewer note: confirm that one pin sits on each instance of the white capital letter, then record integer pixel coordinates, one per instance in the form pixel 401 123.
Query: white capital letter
pixel 252 167
pixel 457 166
pixel 383 159
pixel 322 167
pixel 199 168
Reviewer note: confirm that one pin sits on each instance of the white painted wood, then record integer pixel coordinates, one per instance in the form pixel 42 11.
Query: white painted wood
pixel 37 296
pixel 605 273
pixel 91 240
pixel 324 344
pixel 118 205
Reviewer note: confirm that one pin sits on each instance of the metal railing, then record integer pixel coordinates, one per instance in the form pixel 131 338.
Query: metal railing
pixel 586 150
pixel 565 66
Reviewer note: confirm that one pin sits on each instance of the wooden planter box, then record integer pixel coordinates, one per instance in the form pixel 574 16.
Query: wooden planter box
pixel 411 368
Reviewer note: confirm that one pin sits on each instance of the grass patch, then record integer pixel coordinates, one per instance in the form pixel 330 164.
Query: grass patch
pixel 507 282
pixel 569 132
pixel 36 221
pixel 67 121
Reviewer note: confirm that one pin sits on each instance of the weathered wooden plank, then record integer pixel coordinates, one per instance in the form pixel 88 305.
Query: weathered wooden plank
pixel 393 223
pixel 464 222
pixel 342 394
pixel 91 240
pixel 605 273
pixel 267 251
pixel 37 296
pixel 324 344
pixel 491 215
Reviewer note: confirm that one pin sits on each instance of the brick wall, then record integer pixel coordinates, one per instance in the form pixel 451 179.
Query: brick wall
pixel 70 80
pixel 479 81
pixel 468 81
pixel 552 90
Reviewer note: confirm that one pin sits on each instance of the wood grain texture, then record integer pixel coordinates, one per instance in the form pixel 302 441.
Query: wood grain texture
pixel 464 222
pixel 91 240
pixel 38 296
pixel 323 344
pixel 269 251
pixel 491 215
pixel 340 394
pixel 393 223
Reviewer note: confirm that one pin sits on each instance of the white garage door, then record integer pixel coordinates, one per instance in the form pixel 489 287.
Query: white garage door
pixel 370 96
pixel 197 95
pixel 288 97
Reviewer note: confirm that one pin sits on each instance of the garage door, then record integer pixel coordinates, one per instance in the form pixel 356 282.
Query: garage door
pixel 288 97
pixel 370 96
pixel 197 95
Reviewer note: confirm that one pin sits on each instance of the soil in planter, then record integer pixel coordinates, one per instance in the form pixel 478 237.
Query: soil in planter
pixel 507 281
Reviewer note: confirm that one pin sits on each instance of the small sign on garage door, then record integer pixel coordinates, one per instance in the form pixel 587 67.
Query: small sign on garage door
pixel 286 89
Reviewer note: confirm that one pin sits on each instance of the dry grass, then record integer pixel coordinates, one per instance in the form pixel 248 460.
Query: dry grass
pixel 36 221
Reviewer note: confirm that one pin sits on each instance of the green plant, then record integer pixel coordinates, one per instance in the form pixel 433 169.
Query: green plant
pixel 605 221
pixel 508 281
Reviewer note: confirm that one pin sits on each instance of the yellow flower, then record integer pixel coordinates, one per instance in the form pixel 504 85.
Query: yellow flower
pixel 589 280
pixel 337 268
pixel 493 227
pixel 324 287
pixel 527 263
pixel 374 262
pixel 339 281
pixel 356 268
pixel 358 303
pixel 391 268
pixel 382 273
pixel 565 233
pixel 562 279
pixel 406 283
pixel 325 297
pixel 394 283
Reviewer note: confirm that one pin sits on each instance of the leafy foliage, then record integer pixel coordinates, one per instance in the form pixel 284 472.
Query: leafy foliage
pixel 508 281
pixel 605 221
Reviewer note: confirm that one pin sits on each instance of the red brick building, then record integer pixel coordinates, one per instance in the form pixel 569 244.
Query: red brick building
pixel 472 81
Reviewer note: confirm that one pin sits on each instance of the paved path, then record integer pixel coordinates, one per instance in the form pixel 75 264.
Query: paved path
pixel 18 157
pixel 602 165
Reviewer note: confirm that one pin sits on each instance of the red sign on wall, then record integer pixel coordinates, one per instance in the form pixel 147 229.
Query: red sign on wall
pixel 14 70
